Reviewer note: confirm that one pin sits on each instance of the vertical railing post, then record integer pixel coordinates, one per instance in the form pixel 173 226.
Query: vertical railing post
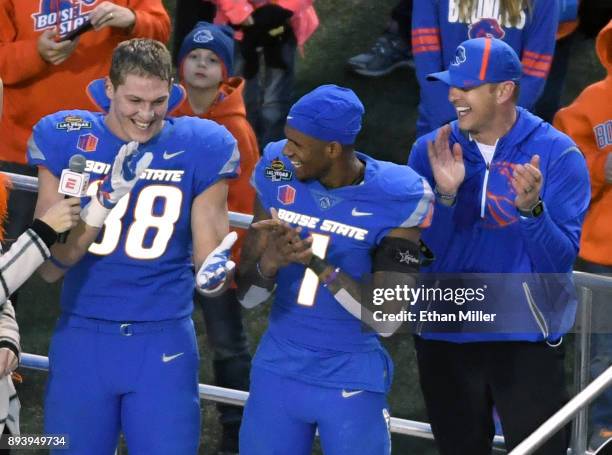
pixel 582 372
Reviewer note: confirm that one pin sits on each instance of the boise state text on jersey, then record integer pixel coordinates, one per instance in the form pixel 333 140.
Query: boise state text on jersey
pixel 140 268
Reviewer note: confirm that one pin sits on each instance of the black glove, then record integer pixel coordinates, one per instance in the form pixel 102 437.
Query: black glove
pixel 269 31
pixel 271 16
pixel 270 25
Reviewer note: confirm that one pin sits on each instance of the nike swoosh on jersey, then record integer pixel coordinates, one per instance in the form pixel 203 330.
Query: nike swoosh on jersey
pixel 346 394
pixel 168 156
pixel 356 212
pixel 170 358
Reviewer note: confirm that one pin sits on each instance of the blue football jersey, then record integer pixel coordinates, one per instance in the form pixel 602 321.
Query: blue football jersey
pixel 140 268
pixel 347 224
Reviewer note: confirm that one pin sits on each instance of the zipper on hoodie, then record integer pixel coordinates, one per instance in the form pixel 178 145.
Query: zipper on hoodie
pixel 483 199
pixel 488 159
pixel 535 311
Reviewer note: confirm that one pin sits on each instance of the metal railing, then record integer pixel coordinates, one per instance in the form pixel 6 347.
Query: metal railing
pixel 565 414
pixel 577 406
pixel 239 397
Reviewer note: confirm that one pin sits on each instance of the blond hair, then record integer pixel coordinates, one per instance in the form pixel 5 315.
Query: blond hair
pixel 509 10
pixel 141 57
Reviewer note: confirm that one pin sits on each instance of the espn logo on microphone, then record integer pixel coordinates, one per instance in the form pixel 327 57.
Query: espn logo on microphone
pixel 73 183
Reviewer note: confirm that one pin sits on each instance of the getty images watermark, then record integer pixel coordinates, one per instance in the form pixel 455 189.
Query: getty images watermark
pixel 410 296
pixel 528 304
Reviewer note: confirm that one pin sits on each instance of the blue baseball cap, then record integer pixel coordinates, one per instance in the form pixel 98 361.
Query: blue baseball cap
pixel 217 38
pixel 328 113
pixel 480 61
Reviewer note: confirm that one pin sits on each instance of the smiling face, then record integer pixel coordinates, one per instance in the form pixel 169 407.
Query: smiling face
pixel 308 155
pixel 475 107
pixel 202 69
pixel 138 107
pixel 480 110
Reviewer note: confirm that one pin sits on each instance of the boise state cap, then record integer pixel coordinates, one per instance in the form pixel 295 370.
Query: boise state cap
pixel 328 113
pixel 217 38
pixel 480 61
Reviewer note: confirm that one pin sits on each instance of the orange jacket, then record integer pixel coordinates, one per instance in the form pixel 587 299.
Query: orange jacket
pixel 229 111
pixel 34 88
pixel 588 120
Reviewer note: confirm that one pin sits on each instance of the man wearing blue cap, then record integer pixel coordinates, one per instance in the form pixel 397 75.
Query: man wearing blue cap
pixel 501 177
pixel 319 227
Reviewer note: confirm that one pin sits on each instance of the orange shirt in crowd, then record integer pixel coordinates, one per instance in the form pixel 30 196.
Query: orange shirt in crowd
pixel 229 111
pixel 588 120
pixel 34 88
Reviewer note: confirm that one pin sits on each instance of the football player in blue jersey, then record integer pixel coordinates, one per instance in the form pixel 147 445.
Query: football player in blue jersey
pixel 326 216
pixel 124 356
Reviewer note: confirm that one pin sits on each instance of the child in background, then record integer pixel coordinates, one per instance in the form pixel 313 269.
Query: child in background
pixel 205 66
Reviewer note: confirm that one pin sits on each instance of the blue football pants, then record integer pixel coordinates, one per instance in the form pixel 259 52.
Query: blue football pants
pixel 282 415
pixel 141 379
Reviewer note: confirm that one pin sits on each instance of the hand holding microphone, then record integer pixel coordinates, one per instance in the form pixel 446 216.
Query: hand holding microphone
pixel 63 215
pixel 73 185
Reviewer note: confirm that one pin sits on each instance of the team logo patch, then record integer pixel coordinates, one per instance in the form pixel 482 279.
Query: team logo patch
pixel 203 36
pixel 73 123
pixel 324 200
pixel 277 172
pixel 286 194
pixel 460 56
pixel 404 257
pixel 87 143
pixel 486 28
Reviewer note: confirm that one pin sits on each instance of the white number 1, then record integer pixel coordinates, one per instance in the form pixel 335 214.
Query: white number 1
pixel 310 282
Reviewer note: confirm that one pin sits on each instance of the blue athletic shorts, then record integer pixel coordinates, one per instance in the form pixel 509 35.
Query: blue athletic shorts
pixel 141 379
pixel 282 415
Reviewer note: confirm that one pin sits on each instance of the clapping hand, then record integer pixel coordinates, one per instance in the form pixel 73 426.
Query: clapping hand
pixel 284 244
pixel 527 183
pixel 448 167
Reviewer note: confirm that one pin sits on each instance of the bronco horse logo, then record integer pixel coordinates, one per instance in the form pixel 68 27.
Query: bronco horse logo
pixel 486 28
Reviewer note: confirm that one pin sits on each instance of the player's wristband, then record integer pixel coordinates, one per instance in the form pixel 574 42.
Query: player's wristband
pixel 331 277
pixel 263 275
pixel 57 263
pixel 94 214
pixel 317 265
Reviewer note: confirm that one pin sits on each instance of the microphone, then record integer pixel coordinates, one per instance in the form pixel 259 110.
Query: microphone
pixel 73 183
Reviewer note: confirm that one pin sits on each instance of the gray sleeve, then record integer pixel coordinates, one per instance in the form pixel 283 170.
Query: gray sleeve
pixel 20 262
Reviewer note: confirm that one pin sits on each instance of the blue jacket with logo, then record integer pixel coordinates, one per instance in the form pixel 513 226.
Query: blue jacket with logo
pixel 482 233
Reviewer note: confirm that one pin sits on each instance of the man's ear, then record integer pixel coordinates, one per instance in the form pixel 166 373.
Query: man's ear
pixel 109 89
pixel 334 149
pixel 505 91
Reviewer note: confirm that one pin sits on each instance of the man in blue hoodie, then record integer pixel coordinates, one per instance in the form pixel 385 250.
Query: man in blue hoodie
pixel 511 194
